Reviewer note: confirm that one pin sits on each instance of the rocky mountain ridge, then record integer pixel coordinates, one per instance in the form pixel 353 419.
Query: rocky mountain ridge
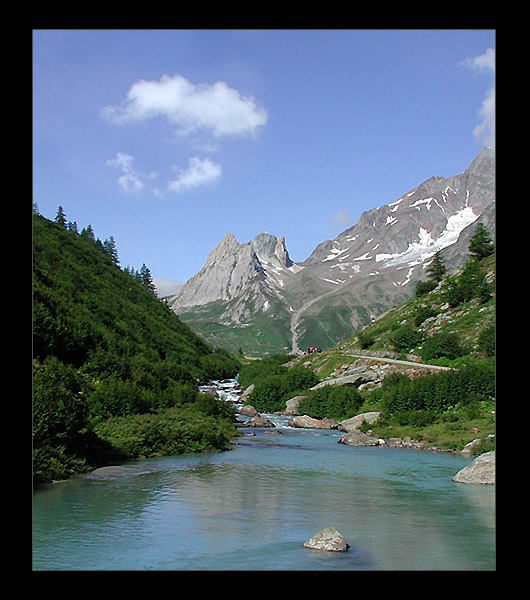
pixel 346 282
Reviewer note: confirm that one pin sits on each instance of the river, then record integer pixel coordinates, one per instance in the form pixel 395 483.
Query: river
pixel 253 507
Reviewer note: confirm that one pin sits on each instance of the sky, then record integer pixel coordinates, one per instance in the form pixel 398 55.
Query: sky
pixel 168 139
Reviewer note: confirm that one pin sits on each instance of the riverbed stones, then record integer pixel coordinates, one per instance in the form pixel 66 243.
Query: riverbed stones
pixel 480 471
pixel 329 540
pixel 247 392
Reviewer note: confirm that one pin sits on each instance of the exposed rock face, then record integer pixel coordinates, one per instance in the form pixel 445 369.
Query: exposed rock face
pixel 329 540
pixel 235 270
pixel 480 471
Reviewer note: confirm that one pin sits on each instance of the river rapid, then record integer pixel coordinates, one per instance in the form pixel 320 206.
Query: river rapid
pixel 252 508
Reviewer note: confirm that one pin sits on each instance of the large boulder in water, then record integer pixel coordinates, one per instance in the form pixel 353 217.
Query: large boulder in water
pixel 305 421
pixel 357 438
pixel 248 411
pixel 328 539
pixel 259 422
pixel 481 470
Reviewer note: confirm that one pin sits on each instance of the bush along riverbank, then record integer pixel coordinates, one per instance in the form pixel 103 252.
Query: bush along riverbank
pixel 116 374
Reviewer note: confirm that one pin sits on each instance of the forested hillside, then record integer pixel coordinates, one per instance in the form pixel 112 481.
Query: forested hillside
pixel 113 367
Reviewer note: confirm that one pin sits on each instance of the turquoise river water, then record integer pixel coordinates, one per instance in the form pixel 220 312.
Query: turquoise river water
pixel 252 508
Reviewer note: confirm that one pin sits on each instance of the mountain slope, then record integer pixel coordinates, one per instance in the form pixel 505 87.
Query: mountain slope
pixel 374 265
pixel 345 282
pixel 106 349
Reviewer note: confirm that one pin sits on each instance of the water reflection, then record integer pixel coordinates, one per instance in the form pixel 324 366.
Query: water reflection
pixel 255 506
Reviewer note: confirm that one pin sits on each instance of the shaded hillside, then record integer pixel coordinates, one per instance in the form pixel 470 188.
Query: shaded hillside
pixel 104 347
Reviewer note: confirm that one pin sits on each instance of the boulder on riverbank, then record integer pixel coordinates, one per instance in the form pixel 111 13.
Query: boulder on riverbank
pixel 357 438
pixel 305 421
pixel 480 471
pixel 247 392
pixel 291 406
pixel 355 422
pixel 328 539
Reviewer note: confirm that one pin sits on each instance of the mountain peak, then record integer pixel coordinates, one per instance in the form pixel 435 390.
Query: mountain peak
pixel 226 247
pixel 270 249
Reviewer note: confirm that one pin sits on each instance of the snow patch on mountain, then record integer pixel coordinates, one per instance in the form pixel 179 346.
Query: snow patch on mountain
pixel 426 246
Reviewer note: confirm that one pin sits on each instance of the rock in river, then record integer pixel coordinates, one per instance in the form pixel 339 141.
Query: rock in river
pixel 481 470
pixel 357 438
pixel 248 411
pixel 328 539
pixel 259 422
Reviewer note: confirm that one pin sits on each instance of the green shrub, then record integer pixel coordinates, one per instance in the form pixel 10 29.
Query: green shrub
pixel 438 391
pixel 173 431
pixel 442 345
pixel 275 383
pixel 366 339
pixel 423 312
pixel 406 338
pixel 54 462
pixel 60 409
pixel 332 401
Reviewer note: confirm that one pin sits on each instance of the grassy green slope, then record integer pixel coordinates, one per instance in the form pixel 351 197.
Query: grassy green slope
pixel 104 347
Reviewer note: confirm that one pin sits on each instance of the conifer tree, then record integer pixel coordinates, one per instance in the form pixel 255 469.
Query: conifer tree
pixel 480 244
pixel 88 234
pixel 109 247
pixel 72 226
pixel 436 270
pixel 146 279
pixel 60 218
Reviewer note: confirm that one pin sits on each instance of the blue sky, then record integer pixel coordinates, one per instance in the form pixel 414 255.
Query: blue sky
pixel 168 139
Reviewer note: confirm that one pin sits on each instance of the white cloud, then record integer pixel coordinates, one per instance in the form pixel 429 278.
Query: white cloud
pixel 485 130
pixel 485 62
pixel 130 181
pixel 216 108
pixel 198 173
